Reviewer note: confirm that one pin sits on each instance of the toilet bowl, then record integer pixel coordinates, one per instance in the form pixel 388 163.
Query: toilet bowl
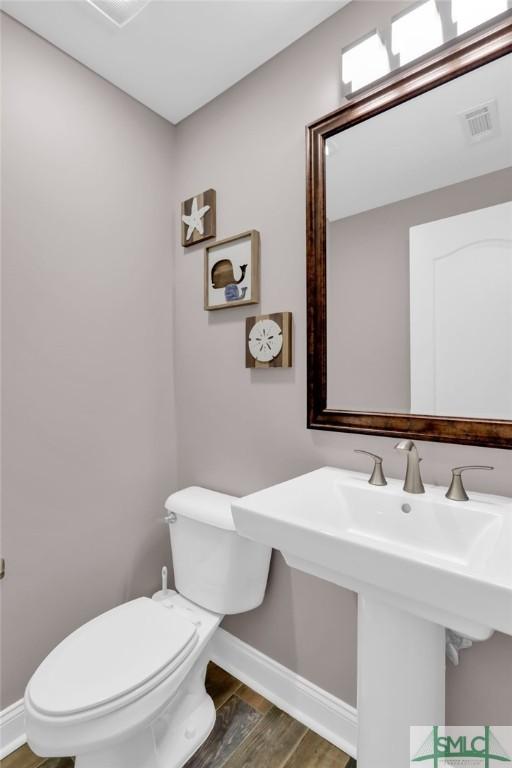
pixel 126 690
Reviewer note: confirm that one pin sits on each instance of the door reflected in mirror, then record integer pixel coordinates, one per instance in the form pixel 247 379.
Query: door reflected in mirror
pixel 419 253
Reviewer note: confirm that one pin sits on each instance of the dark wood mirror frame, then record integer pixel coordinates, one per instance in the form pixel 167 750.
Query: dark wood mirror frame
pixel 452 60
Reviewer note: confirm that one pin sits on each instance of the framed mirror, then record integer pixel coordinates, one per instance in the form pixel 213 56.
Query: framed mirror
pixel 409 251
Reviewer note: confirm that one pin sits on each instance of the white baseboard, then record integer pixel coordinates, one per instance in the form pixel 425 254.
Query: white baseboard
pixel 12 728
pixel 319 710
pixel 325 714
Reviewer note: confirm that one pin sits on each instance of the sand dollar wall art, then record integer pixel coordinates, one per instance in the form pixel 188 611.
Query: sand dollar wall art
pixel 198 218
pixel 268 341
pixel 232 271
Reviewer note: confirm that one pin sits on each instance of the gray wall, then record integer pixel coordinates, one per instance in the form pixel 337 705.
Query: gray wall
pixel 88 353
pixel 87 342
pixel 368 292
pixel 240 430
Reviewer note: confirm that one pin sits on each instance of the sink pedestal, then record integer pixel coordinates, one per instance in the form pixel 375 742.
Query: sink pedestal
pixel 400 681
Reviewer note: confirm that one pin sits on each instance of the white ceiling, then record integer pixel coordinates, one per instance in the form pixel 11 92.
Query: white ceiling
pixel 176 55
pixel 420 145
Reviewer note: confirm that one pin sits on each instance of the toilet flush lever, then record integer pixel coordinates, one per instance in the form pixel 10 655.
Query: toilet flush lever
pixel 170 517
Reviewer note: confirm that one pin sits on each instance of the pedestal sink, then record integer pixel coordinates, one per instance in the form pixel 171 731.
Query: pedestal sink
pixel 419 563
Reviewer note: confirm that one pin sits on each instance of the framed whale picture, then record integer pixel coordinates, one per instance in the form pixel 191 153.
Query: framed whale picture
pixel 232 271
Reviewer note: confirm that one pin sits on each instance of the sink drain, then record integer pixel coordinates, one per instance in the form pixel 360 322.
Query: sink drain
pixel 406 508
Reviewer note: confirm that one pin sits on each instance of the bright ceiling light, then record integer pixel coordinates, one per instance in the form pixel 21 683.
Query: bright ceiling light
pixel 470 13
pixel 364 61
pixel 120 12
pixel 416 32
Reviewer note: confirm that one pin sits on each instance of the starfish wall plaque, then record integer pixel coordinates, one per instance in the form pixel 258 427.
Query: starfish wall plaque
pixel 198 218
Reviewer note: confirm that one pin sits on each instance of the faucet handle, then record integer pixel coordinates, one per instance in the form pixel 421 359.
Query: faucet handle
pixel 456 491
pixel 377 476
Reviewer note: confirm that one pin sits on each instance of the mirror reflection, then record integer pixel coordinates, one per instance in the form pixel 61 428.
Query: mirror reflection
pixel 419 253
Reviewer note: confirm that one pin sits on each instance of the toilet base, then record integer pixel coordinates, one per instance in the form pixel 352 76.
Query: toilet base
pixel 171 739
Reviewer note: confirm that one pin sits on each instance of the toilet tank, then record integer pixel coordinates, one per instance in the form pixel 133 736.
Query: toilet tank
pixel 213 565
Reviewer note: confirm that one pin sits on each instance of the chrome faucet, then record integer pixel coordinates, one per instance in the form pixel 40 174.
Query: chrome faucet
pixel 413 482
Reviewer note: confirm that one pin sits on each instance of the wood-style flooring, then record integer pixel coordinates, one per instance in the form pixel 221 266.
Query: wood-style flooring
pixel 249 733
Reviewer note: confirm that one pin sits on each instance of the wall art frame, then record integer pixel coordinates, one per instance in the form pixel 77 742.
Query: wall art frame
pixel 232 271
pixel 268 341
pixel 199 218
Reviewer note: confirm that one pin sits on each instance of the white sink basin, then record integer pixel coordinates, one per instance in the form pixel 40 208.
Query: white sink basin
pixel 446 561
pixel 419 563
pixel 422 527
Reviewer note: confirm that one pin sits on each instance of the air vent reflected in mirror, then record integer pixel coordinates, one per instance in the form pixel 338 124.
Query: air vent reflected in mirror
pixel 480 122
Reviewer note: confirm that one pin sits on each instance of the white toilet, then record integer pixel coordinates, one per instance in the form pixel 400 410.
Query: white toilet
pixel 126 690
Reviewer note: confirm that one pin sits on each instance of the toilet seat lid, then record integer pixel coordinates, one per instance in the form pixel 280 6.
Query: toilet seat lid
pixel 116 653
